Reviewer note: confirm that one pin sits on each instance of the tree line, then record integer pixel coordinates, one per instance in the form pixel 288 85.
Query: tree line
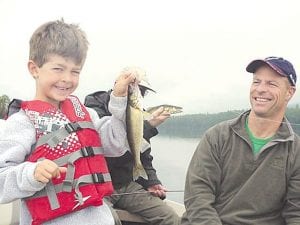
pixel 4 101
pixel 191 125
pixel 194 125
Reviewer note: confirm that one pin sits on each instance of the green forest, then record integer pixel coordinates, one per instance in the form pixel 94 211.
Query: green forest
pixel 194 125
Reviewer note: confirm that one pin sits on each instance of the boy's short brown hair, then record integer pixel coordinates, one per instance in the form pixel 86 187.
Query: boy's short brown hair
pixel 58 38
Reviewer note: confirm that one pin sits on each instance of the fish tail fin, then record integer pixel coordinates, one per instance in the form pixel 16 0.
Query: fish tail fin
pixel 139 171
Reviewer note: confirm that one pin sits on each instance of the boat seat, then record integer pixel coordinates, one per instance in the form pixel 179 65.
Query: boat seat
pixel 9 214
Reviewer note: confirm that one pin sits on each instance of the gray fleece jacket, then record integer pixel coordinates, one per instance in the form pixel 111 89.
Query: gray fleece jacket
pixel 227 185
pixel 17 135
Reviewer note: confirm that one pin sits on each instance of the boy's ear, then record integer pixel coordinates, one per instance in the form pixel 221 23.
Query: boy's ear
pixel 33 68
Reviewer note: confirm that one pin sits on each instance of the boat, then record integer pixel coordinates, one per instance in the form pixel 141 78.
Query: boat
pixel 9 214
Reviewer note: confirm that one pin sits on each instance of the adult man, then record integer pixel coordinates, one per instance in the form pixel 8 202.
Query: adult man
pixel 247 170
pixel 148 205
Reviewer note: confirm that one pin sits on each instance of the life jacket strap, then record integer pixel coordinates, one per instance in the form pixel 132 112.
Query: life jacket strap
pixel 96 178
pixel 57 136
pixel 71 158
pixel 52 197
pixel 82 152
pixel 51 189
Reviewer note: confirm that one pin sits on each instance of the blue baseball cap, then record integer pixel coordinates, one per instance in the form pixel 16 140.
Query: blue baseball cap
pixel 279 64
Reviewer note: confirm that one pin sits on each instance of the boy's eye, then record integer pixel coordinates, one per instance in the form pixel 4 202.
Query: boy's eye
pixel 76 72
pixel 57 69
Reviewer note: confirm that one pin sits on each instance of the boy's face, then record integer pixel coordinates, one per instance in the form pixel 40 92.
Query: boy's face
pixel 56 79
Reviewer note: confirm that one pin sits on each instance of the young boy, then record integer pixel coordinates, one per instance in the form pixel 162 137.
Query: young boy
pixel 51 154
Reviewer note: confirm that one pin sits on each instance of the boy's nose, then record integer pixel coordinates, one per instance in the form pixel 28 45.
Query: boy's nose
pixel 67 76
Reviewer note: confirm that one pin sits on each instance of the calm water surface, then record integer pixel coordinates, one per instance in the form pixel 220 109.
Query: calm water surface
pixel 171 160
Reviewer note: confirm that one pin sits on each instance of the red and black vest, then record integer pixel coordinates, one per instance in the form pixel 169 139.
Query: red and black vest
pixel 67 137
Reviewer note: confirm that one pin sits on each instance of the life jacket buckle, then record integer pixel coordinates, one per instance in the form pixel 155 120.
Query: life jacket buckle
pixel 71 127
pixel 87 151
pixel 98 178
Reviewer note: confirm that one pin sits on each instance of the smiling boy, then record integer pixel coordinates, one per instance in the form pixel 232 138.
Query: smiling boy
pixel 52 151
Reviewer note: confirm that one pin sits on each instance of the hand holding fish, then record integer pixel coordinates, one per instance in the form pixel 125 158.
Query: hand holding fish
pixel 158 117
pixel 172 109
pixel 121 85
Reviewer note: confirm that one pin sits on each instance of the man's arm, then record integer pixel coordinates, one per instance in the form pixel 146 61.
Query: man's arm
pixel 158 117
pixel 149 131
pixel 291 210
pixel 202 183
pixel 146 158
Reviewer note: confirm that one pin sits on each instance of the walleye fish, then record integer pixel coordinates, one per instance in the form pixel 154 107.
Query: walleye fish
pixel 172 109
pixel 135 127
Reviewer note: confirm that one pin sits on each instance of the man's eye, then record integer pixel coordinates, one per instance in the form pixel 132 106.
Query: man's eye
pixel 273 84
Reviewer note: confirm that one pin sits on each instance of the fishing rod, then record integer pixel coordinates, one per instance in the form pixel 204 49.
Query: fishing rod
pixel 145 192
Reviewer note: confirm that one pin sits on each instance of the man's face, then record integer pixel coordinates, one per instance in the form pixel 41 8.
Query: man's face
pixel 269 93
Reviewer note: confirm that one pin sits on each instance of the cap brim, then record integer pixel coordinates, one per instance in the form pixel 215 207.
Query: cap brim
pixel 255 64
pixel 148 88
pixel 146 85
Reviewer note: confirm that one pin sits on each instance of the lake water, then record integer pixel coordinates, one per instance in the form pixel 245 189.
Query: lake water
pixel 171 160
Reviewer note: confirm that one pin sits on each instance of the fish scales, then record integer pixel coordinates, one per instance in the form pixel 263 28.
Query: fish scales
pixel 135 126
pixel 172 109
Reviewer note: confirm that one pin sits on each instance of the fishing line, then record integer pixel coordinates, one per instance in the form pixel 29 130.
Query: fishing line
pixel 275 121
pixel 144 192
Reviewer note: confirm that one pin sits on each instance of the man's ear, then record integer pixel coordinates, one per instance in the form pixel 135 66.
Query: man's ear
pixel 33 68
pixel 290 93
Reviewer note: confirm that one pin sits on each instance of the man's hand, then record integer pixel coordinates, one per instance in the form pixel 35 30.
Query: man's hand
pixel 158 117
pixel 46 170
pixel 158 190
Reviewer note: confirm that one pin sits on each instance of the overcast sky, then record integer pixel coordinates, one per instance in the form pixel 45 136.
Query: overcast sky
pixel 194 52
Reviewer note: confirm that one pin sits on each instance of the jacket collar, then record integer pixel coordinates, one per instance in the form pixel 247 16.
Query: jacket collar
pixel 284 133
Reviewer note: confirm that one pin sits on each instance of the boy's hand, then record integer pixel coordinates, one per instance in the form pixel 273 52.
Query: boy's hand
pixel 121 85
pixel 46 170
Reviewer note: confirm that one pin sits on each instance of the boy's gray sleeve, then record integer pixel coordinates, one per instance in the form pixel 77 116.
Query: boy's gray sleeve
pixel 16 175
pixel 112 129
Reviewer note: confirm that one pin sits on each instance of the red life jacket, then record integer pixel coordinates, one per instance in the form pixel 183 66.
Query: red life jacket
pixel 67 137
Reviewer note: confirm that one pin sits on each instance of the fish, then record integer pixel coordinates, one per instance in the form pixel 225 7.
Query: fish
pixel 172 109
pixel 135 125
